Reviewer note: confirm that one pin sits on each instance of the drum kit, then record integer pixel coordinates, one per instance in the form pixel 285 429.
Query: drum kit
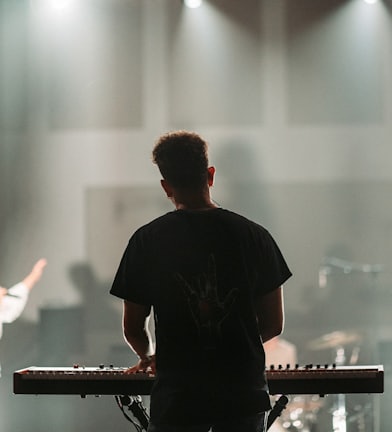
pixel 302 411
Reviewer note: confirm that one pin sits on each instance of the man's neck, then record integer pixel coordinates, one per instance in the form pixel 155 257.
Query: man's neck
pixel 194 202
pixel 194 206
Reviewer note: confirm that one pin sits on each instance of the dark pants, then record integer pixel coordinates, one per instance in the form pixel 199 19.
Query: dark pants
pixel 255 423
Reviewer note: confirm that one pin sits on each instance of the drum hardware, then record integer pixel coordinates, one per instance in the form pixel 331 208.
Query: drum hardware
pixel 338 340
pixel 358 418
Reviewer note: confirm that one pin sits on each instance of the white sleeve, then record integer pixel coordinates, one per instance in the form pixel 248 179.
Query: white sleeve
pixel 12 307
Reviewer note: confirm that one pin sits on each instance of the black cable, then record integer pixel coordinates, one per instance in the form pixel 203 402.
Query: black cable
pixel 138 410
pixel 121 406
pixel 277 409
pixel 135 405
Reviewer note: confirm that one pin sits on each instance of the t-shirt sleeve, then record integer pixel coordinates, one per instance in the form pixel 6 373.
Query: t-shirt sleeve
pixel 275 270
pixel 131 279
pixel 12 307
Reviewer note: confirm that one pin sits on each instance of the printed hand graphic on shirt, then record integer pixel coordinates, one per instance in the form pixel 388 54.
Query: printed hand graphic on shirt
pixel 207 308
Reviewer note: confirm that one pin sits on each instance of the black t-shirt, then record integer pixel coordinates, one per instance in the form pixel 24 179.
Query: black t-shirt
pixel 202 271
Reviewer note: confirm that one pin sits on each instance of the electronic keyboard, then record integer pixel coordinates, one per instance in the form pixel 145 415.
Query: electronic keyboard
pixel 309 379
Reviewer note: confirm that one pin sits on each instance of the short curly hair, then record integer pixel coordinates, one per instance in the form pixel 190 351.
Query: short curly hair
pixel 182 159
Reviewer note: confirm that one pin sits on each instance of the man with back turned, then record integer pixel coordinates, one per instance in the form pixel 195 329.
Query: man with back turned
pixel 214 282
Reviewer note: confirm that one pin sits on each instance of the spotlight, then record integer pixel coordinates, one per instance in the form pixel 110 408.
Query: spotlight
pixel 370 1
pixel 193 4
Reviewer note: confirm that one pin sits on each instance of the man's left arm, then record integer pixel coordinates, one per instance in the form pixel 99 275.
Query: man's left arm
pixel 270 314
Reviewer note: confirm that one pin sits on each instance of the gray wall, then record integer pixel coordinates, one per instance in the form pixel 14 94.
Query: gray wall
pixel 295 100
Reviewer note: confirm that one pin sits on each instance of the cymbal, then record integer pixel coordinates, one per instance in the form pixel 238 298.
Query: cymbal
pixel 334 340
